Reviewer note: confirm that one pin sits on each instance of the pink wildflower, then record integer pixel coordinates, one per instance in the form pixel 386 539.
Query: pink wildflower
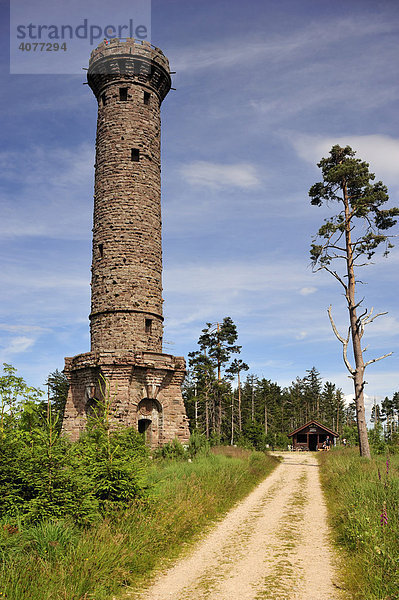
pixel 384 516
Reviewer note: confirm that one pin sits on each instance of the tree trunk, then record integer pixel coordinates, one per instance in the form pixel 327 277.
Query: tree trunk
pixel 232 419
pixel 213 413
pixel 196 408
pixel 358 376
pixel 206 415
pixel 252 402
pixel 239 403
pixel 219 411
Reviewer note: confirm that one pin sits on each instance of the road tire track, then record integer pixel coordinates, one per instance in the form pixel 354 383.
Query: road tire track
pixel 273 545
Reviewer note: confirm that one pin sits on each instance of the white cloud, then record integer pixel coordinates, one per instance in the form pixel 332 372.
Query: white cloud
pixel 301 335
pixel 34 280
pixel 381 151
pixel 216 176
pixel 22 328
pixel 17 345
pixel 306 291
pixel 381 380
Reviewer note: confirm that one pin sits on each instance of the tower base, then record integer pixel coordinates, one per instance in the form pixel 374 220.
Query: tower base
pixel 143 390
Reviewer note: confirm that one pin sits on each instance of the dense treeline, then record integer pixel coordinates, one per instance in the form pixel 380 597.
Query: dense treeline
pixel 255 411
pixel 386 414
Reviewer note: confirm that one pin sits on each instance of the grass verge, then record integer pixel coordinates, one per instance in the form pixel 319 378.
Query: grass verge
pixel 57 561
pixel 363 500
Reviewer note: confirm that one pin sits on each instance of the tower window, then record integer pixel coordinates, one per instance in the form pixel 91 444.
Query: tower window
pixel 148 326
pixel 147 97
pixel 135 156
pixel 103 99
pixel 123 94
pixel 101 249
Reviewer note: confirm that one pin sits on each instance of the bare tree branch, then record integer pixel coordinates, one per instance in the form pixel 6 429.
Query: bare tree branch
pixel 357 306
pixel 373 360
pixel 337 247
pixel 370 320
pixel 344 342
pixel 335 274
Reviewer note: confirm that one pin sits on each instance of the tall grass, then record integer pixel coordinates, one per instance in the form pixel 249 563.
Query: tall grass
pixel 363 499
pixel 58 561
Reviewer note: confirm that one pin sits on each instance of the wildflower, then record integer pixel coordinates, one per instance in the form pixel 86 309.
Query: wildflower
pixel 379 475
pixel 384 516
pixel 387 465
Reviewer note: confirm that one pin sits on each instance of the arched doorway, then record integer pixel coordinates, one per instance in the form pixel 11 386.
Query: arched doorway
pixel 143 425
pixel 149 420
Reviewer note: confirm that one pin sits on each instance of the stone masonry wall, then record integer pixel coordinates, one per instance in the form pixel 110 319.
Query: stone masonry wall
pixel 129 80
pixel 127 251
pixel 133 379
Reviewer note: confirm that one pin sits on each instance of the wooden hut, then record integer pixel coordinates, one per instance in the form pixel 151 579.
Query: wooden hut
pixel 311 436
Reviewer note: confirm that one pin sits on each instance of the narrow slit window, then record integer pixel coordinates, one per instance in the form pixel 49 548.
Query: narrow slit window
pixel 103 99
pixel 101 250
pixel 147 97
pixel 123 94
pixel 135 155
pixel 148 326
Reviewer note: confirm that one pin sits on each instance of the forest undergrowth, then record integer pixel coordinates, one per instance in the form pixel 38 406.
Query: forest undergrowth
pixel 61 558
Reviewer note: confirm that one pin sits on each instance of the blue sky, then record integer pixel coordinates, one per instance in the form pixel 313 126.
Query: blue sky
pixel 264 89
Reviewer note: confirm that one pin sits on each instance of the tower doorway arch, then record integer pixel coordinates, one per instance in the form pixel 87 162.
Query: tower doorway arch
pixel 149 421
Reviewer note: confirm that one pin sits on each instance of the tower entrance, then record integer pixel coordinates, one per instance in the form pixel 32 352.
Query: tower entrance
pixel 149 420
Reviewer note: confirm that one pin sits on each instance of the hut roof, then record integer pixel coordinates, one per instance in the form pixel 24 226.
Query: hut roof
pixel 317 424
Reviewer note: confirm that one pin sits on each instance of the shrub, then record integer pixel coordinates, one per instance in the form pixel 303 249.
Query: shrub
pixel 198 444
pixel 173 450
pixel 116 463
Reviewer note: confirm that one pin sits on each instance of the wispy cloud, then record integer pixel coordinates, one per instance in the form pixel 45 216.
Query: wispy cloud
pixel 217 176
pixel 17 345
pixel 306 291
pixel 258 293
pixel 278 274
pixel 42 191
pixel 22 328
pixel 278 47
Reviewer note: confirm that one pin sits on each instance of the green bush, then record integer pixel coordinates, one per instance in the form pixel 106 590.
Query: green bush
pixel 198 444
pixel 116 462
pixel 43 476
pixel 173 450
pixel 39 479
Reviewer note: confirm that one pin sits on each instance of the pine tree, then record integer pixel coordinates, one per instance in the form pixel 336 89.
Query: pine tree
pixel 351 237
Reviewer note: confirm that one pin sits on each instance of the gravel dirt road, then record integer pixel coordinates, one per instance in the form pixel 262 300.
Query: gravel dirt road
pixel 273 545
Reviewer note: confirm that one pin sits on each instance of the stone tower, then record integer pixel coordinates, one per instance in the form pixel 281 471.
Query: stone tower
pixel 129 80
